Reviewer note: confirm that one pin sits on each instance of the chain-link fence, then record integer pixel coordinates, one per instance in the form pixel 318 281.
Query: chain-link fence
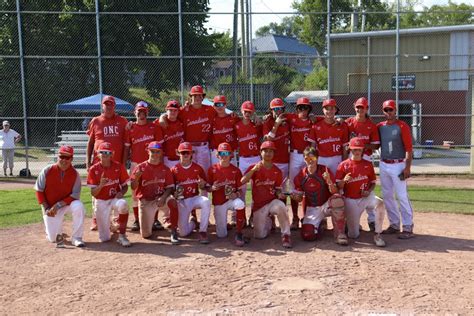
pixel 52 53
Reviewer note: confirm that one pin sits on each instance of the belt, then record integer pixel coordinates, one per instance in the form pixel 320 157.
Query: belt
pixel 295 151
pixel 199 143
pixel 393 160
pixel 248 156
pixel 169 159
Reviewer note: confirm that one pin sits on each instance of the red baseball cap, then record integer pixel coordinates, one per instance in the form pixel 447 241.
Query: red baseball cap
pixel 220 99
pixel 172 104
pixel 268 145
pixel 248 106
pixel 185 147
pixel 224 147
pixel 197 90
pixel 389 104
pixel 303 101
pixel 361 102
pixel 329 102
pixel 276 103
pixel 141 106
pixel 105 146
pixel 65 149
pixel 356 143
pixel 108 99
pixel 154 145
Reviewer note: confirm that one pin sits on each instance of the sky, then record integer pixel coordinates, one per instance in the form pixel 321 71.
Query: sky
pixel 223 22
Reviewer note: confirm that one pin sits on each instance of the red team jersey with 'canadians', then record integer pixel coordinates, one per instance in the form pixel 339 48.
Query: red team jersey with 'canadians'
pixel 281 140
pixel 173 135
pixel 197 123
pixel 367 131
pixel 299 132
pixel 264 184
pixel 188 178
pixel 154 181
pixel 220 177
pixel 329 138
pixel 116 175
pixel 111 130
pixel 362 173
pixel 248 137
pixel 315 189
pixel 139 136
pixel 223 131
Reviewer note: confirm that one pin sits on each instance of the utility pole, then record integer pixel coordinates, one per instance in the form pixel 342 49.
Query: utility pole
pixel 243 51
pixel 235 58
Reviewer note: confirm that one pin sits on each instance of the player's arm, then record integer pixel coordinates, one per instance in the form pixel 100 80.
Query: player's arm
pixel 123 182
pixel 249 174
pixel 95 189
pixel 135 178
pixel 89 151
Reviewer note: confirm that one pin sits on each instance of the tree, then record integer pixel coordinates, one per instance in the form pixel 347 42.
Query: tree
pixel 287 27
pixel 438 15
pixel 317 79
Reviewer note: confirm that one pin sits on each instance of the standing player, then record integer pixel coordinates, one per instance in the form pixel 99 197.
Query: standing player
pixel 395 164
pixel 108 182
pixel 266 192
pixel 362 126
pixel 58 189
pixel 331 139
pixel 107 127
pixel 173 133
pixel 315 185
pixel 140 134
pixel 222 128
pixel 189 177
pixel 224 179
pixel 154 183
pixel 356 176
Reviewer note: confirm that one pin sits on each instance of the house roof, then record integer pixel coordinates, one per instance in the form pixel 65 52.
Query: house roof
pixel 281 44
pixel 222 64
pixel 314 96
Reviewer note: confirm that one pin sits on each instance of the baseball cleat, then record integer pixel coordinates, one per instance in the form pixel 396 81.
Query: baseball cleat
pixel 196 223
pixel 406 235
pixel 323 225
pixel 94 224
pixel 77 242
pixel 286 241
pixel 295 223
pixel 135 226
pixel 372 226
pixel 157 225
pixel 342 240
pixel 203 239
pixel 239 239
pixel 390 230
pixel 379 242
pixel 60 241
pixel 174 237
pixel 123 241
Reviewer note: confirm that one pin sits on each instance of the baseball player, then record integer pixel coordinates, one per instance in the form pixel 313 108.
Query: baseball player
pixel 173 133
pixel 356 176
pixel 224 180
pixel 395 164
pixel 189 177
pixel 58 189
pixel 362 126
pixel 248 138
pixel 222 128
pixel 266 195
pixel 107 127
pixel 331 139
pixel 154 184
pixel 108 182
pixel 316 186
pixel 139 135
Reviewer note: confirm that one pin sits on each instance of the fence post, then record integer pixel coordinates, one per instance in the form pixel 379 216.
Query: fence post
pixel 99 50
pixel 328 45
pixel 472 124
pixel 181 54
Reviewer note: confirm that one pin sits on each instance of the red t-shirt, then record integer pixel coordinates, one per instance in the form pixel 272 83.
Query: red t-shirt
pixel 329 138
pixel 111 130
pixel 264 184
pixel 154 180
pixel 299 132
pixel 315 189
pixel 173 135
pixel 223 176
pixel 223 131
pixel 248 137
pixel 116 175
pixel 281 140
pixel 188 178
pixel 139 136
pixel 197 123
pixel 366 130
pixel 362 173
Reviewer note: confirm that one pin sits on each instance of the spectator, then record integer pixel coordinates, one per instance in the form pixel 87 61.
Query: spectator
pixel 8 139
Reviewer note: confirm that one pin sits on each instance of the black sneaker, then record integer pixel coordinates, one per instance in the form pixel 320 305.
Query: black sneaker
pixel 372 226
pixel 390 231
pixel 135 226
pixel 157 225
pixel 174 237
pixel 239 239
pixel 60 241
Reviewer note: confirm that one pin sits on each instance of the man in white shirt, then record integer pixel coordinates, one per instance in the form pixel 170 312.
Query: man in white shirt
pixel 8 139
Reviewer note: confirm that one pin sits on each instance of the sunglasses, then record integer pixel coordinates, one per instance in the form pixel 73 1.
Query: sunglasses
pixel 105 152
pixel 310 158
pixel 185 153
pixel 302 108
pixel 154 151
pixel 63 157
pixel 360 107
pixel 219 104
pixel 225 153
pixel 280 108
pixel 388 110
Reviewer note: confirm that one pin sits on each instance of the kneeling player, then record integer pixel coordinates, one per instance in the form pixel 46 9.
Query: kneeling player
pixel 315 183
pixel 356 176
pixel 108 182
pixel 224 179
pixel 189 177
pixel 153 182
pixel 266 192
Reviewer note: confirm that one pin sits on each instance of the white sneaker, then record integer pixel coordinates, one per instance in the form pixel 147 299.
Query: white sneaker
pixel 379 242
pixel 122 240
pixel 77 242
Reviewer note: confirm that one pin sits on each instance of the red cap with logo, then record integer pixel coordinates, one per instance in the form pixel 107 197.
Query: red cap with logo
pixel 220 99
pixel 65 149
pixel 197 90
pixel 268 145
pixel 329 102
pixel 248 106
pixel 276 103
pixel 303 101
pixel 361 102
pixel 154 145
pixel 172 104
pixel 389 104
pixel 105 146
pixel 108 99
pixel 224 147
pixel 356 143
pixel 185 147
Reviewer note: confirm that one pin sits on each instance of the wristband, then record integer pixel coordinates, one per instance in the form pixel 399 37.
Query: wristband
pixel 271 134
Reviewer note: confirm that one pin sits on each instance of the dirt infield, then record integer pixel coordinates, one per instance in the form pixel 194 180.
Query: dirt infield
pixel 432 273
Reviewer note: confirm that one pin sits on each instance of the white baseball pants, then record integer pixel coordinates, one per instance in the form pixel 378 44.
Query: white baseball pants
pixel 103 211
pixel 284 169
pixel 170 163
pixel 54 225
pixel 330 162
pixel 296 164
pixel 202 156
pixel 185 207
pixel 244 164
pixel 134 194
pixel 220 215
pixel 262 224
pixel 315 214
pixel 354 209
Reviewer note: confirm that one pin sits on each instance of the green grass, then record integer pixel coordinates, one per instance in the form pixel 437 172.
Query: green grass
pixel 19 207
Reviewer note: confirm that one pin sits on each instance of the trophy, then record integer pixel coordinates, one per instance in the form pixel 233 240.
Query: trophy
pixel 179 192
pixel 228 190
pixel 287 187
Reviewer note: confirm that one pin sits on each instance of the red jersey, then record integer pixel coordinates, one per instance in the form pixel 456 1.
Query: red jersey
pixel 139 136
pixel 223 131
pixel 223 176
pixel 173 135
pixel 116 175
pixel 54 185
pixel 329 138
pixel 281 140
pixel 265 182
pixel 188 178
pixel 365 130
pixel 315 189
pixel 299 132
pixel 362 173
pixel 154 180
pixel 248 137
pixel 111 130
pixel 197 123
